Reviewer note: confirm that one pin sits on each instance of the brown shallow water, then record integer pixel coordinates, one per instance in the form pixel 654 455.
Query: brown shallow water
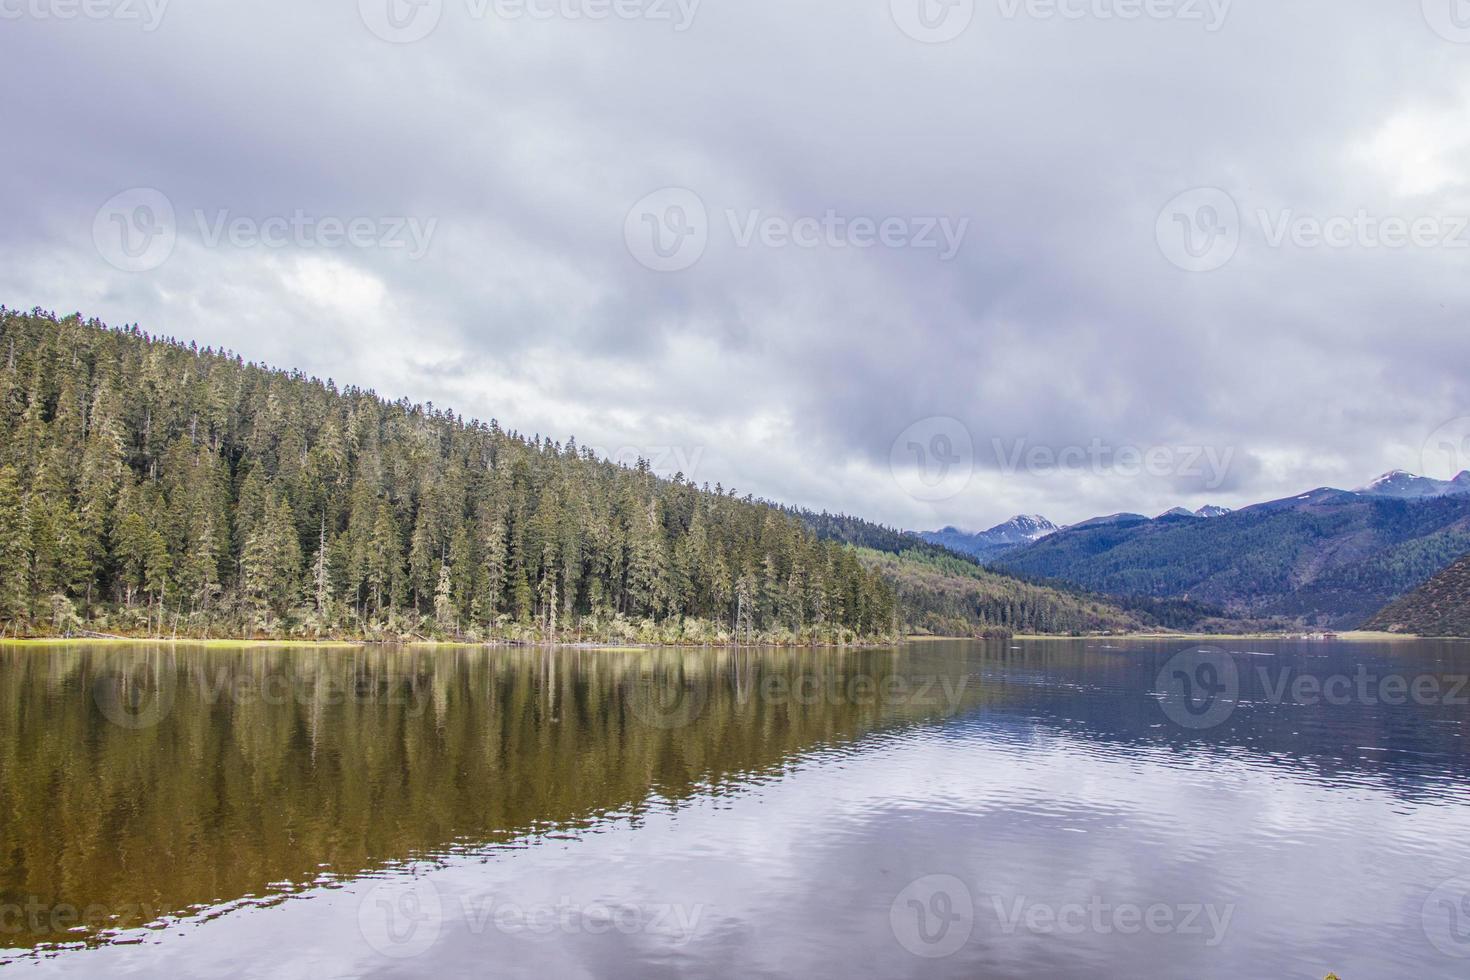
pixel 1029 809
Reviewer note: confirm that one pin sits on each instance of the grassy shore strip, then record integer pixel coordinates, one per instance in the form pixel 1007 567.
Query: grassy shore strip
pixel 58 641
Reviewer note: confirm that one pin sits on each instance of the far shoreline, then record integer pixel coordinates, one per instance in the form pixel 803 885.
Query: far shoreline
pixel 1351 636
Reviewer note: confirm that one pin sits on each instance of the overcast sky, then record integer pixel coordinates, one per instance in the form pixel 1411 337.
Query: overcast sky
pixel 928 261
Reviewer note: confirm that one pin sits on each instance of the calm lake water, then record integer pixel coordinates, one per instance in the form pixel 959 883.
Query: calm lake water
pixel 1049 809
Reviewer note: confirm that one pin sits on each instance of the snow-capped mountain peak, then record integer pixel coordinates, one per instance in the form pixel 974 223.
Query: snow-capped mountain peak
pixel 1403 484
pixel 1032 526
pixel 1393 478
pixel 1207 511
pixel 1019 530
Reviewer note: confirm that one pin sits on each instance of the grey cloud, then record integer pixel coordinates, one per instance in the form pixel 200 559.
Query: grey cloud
pixel 1059 322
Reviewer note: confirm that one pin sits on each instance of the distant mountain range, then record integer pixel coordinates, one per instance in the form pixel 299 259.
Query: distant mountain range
pixel 1025 529
pixel 949 593
pixel 1326 557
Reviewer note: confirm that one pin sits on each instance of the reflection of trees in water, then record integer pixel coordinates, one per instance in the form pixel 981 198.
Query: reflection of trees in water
pixel 152 779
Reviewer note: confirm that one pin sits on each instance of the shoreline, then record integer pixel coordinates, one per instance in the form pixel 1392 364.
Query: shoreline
pixel 611 647
pixel 1350 636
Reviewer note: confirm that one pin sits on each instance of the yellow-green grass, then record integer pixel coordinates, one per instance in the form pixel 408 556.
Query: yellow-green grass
pixel 180 641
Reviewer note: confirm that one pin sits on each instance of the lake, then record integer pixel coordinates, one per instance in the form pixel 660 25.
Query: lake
pixel 1030 809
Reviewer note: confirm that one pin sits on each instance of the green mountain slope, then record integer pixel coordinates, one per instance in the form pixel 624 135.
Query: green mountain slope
pixel 950 593
pixel 1329 557
pixel 150 486
pixel 948 596
pixel 1439 607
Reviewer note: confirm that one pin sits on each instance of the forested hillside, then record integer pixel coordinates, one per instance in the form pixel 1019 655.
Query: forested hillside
pixel 948 593
pixel 148 485
pixel 1439 607
pixel 951 596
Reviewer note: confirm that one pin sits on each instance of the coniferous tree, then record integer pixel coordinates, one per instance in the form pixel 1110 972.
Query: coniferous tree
pixel 14 550
pixel 444 611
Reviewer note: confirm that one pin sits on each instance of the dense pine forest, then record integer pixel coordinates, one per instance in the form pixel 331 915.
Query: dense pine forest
pixel 149 486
